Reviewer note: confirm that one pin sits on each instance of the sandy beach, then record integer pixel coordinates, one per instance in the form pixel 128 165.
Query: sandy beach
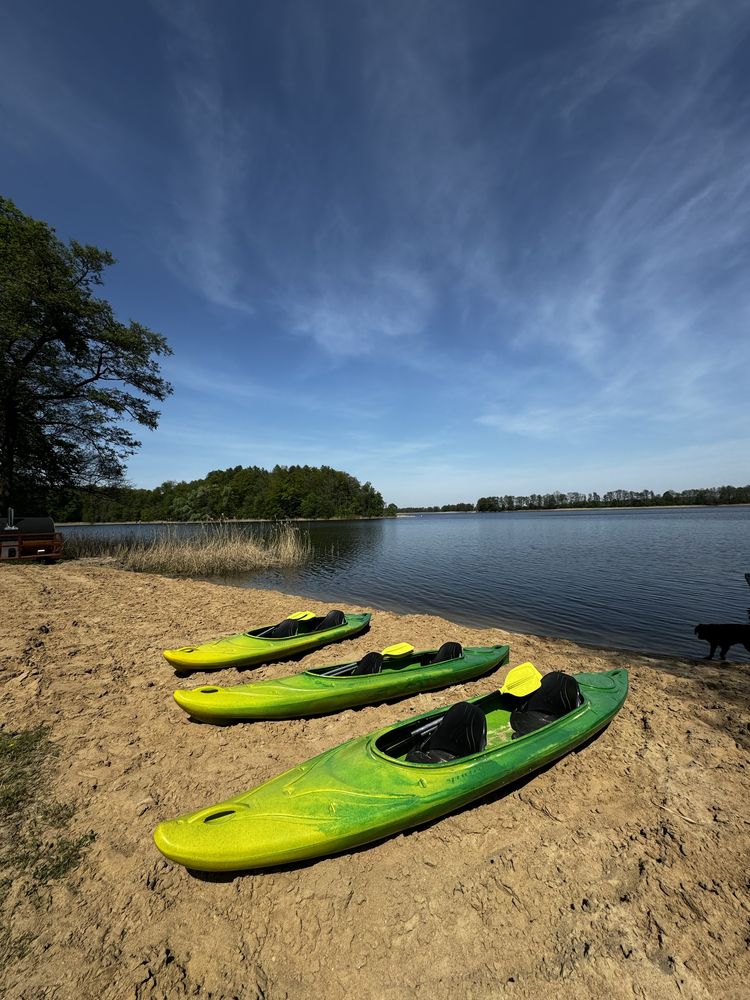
pixel 621 871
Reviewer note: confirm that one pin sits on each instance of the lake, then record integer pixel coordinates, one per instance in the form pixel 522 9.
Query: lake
pixel 631 579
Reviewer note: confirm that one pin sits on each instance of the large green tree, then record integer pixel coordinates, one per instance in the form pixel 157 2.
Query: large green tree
pixel 72 377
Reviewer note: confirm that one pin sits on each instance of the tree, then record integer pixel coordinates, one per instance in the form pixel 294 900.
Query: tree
pixel 488 505
pixel 70 373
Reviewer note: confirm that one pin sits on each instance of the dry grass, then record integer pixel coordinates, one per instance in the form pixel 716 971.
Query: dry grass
pixel 222 550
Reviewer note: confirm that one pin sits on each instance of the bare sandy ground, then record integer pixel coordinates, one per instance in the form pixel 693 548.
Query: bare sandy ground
pixel 619 872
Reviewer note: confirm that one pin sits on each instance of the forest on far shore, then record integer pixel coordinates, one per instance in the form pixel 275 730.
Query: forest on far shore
pixel 710 495
pixel 303 491
pixel 295 491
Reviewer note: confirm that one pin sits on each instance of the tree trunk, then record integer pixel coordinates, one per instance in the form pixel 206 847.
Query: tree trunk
pixel 8 441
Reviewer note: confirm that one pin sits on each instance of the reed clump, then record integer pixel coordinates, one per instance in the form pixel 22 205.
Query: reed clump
pixel 221 550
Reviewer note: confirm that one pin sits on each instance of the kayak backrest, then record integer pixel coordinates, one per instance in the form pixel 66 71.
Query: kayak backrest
pixel 461 732
pixel 371 663
pixel 557 695
pixel 334 619
pixel 448 651
pixel 302 623
pixel 284 630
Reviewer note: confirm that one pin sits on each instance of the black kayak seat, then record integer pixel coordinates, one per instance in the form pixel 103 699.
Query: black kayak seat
pixel 371 663
pixel 462 731
pixel 557 695
pixel 332 620
pixel 284 630
pixel 301 626
pixel 448 651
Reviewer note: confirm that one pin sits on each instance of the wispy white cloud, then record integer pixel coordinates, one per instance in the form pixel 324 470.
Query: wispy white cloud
pixel 616 41
pixel 635 290
pixel 205 247
pixel 623 260
pixel 605 275
pixel 545 241
pixel 256 387
pixel 348 313
pixel 195 446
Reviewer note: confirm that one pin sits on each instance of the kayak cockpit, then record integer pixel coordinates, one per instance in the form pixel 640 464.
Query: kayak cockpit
pixel 375 663
pixel 482 724
pixel 300 623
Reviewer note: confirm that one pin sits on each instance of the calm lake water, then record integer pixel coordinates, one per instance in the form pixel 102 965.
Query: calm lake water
pixel 632 579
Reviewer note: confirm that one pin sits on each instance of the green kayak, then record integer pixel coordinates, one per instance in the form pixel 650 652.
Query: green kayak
pixel 367 789
pixel 300 633
pixel 395 673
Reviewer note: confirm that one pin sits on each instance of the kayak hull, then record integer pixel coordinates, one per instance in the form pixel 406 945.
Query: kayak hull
pixel 311 693
pixel 355 793
pixel 244 650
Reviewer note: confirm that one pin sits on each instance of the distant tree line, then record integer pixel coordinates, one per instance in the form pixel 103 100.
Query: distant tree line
pixel 710 495
pixel 295 491
pixel 460 507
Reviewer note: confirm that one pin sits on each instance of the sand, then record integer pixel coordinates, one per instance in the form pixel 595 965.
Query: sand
pixel 621 871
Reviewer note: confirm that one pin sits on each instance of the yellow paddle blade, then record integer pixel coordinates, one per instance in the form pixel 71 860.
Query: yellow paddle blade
pixel 399 649
pixel 302 616
pixel 522 680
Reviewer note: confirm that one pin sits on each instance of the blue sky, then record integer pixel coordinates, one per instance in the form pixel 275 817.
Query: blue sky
pixel 455 248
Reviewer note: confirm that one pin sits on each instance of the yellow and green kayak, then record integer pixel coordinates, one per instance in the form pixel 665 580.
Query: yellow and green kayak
pixel 299 633
pixel 396 778
pixel 397 672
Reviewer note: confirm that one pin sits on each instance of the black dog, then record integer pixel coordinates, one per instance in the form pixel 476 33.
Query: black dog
pixel 724 636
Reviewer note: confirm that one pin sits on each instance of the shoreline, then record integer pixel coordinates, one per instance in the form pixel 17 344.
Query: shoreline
pixel 651 804
pixel 566 510
pixel 388 517
pixel 226 520
pixel 459 621
pixel 476 625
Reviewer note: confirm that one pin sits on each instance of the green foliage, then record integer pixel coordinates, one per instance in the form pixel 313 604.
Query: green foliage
pixel 61 856
pixel 22 755
pixel 460 508
pixel 70 373
pixel 33 846
pixel 488 505
pixel 284 492
pixel 616 498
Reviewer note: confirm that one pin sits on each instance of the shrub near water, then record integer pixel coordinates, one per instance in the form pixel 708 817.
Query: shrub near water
pixel 221 550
